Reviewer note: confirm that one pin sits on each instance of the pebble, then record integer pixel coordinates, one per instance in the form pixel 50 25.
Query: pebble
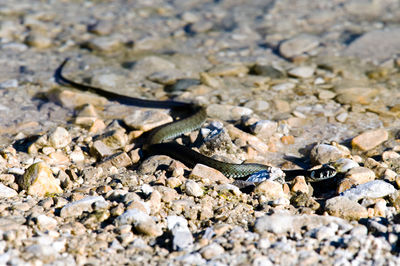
pixel 343 165
pixel 142 222
pixel 271 190
pixel 300 185
pixel 264 128
pixel 302 72
pixel 285 86
pixel 372 190
pixel 361 175
pixel 45 222
pixel 38 40
pixel 72 99
pixel 105 44
pixel 258 105
pixel 370 139
pixel 38 180
pixel 298 45
pixel 59 138
pixel 227 112
pixel 228 70
pixel 86 204
pixel 6 192
pixel 114 139
pixel 345 208
pixel 146 120
pixel 208 175
pixel 192 188
pixel 325 153
pixel 182 237
pixel 211 251
pixel 110 81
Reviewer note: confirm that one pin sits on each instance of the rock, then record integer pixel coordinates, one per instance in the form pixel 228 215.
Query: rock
pixel 298 45
pixel 264 128
pixel 6 192
pixel 73 99
pixel 268 70
pixel 372 190
pixel 325 153
pixel 115 139
pixel 302 72
pixel 38 40
pixel 146 120
pixel 76 208
pixel 370 139
pixel 377 45
pixel 182 237
pixel 227 112
pixel 110 81
pixel 211 251
pixel 258 105
pixel 285 86
pixel 228 188
pixel 193 189
pixel 45 222
pixel 300 185
pixel 282 223
pixel 360 175
pixel 151 64
pixel 141 221
pixel 228 70
pixel 59 138
pixel 270 189
pixel 345 208
pixel 118 160
pixel 327 95
pixel 38 180
pixel 208 175
pixel 105 44
pixel 100 150
pixel 343 165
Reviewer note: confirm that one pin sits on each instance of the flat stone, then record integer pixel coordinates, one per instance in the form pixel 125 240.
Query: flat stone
pixel 141 221
pixel 264 128
pixel 282 223
pixel 285 86
pixel 73 99
pixel 208 175
pixel 345 208
pixel 298 45
pixel 343 165
pixel 228 70
pixel 59 138
pixel 377 45
pixel 6 192
pixel 38 180
pixel 38 40
pixel 361 174
pixel 302 72
pixel 372 190
pixel 109 80
pixel 146 120
pixel 227 112
pixel 45 222
pixel 76 208
pixel 370 139
pixel 325 153
pixel 105 43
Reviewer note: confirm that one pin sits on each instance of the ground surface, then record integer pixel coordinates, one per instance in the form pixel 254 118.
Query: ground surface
pixel 280 80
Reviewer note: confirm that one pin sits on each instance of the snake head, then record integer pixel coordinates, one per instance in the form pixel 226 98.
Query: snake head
pixel 322 173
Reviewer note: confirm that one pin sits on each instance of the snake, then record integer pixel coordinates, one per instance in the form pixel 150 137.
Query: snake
pixel 156 141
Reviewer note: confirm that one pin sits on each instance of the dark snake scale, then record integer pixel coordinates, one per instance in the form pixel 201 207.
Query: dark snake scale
pixel 197 115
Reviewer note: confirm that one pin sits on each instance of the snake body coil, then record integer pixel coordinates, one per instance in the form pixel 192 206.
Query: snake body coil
pixel 155 142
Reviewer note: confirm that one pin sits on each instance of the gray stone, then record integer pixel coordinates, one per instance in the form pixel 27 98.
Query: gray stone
pixel 211 251
pixel 76 208
pixel 377 45
pixel 325 153
pixel 298 45
pixel 302 72
pixel 345 208
pixel 227 112
pixel 372 190
pixel 147 119
pixel 182 237
pixel 140 220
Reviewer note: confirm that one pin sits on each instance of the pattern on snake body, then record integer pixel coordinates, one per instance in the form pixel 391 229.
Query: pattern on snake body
pixel 155 142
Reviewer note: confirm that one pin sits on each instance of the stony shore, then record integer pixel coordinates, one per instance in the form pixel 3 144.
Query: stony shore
pixel 286 83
